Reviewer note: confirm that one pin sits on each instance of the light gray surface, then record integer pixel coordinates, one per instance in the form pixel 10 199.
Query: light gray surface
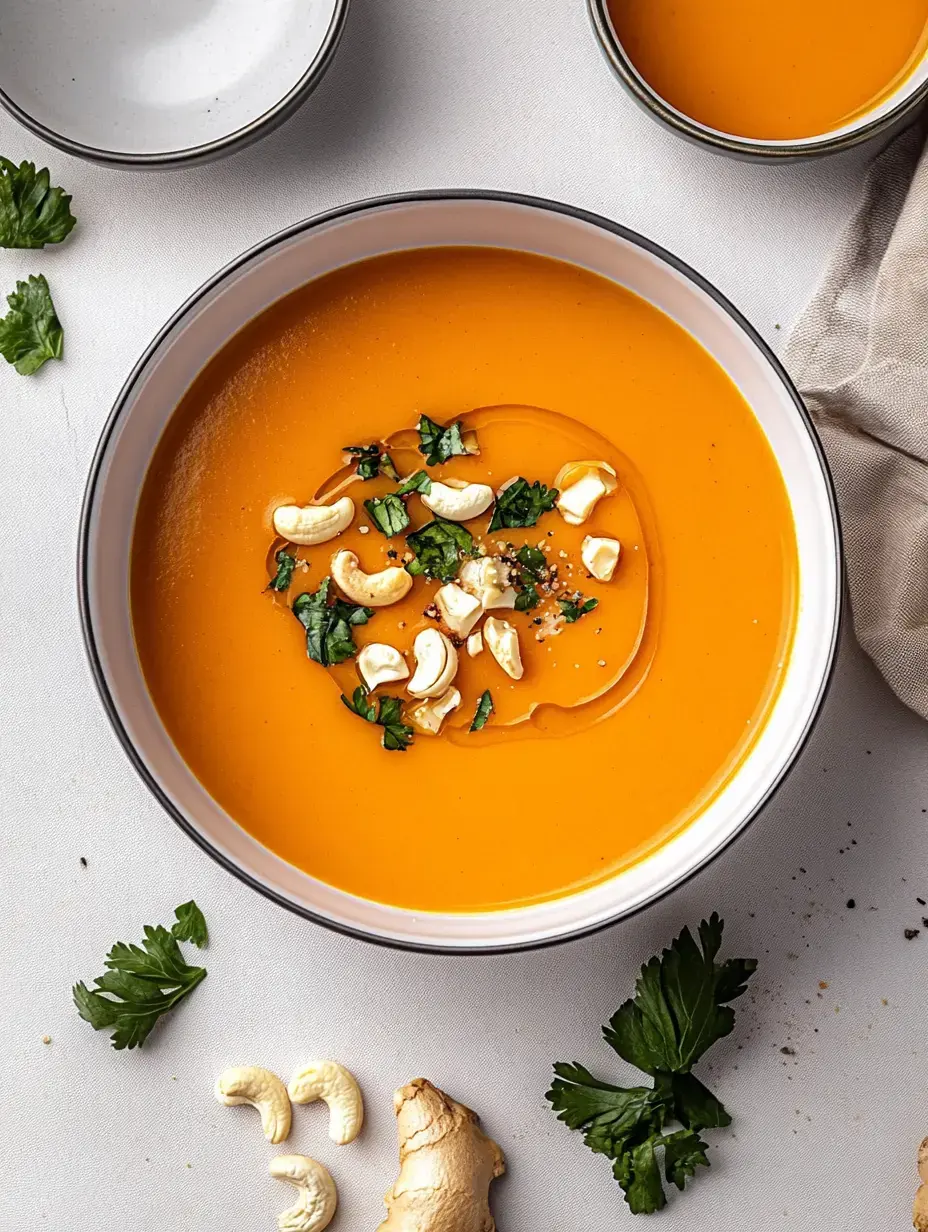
pixel 423 95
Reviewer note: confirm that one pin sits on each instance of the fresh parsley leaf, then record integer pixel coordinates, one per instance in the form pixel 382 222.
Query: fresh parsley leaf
pixel 576 607
pixel 528 596
pixel 329 637
pixel 388 713
pixel 143 982
pixel 372 461
pixel 533 561
pixel 522 504
pixel 189 925
pixel 679 1010
pixel 30 333
pixel 388 513
pixel 533 568
pixel 484 710
pixel 440 547
pixel 284 575
pixel 439 443
pixel 419 482
pixel 32 213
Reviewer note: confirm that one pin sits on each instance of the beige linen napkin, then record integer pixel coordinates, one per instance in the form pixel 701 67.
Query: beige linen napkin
pixel 859 356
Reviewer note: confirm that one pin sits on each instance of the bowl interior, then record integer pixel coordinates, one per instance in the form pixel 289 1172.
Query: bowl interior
pixel 156 78
pixel 307 251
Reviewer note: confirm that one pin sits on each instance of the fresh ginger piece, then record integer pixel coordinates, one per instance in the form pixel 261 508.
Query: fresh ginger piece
pixel 446 1165
pixel 920 1210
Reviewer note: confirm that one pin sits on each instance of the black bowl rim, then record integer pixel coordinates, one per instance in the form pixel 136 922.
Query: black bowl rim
pixel 308 224
pixel 211 150
pixel 729 143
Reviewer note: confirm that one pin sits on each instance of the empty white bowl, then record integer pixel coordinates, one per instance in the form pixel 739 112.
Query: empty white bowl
pixel 312 248
pixel 161 84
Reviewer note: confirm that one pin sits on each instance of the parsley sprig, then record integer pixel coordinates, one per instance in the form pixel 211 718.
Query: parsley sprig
pixel 680 1009
pixel 483 711
pixel 388 713
pixel 439 549
pixel 438 442
pixel 522 504
pixel 32 213
pixel 532 570
pixel 576 606
pixel 31 333
pixel 372 461
pixel 388 513
pixel 286 563
pixel 329 626
pixel 143 982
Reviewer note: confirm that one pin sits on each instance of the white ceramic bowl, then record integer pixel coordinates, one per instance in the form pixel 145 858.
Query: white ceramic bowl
pixel 286 261
pixel 161 84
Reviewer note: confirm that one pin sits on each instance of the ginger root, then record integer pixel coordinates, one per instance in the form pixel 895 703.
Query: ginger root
pixel 446 1165
pixel 920 1210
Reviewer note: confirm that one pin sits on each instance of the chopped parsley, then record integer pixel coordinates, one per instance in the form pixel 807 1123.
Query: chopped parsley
pixel 30 333
pixel 533 568
pixel 284 575
pixel 372 461
pixel 329 636
pixel 439 443
pixel 32 213
pixel 522 504
pixel 419 482
pixel 388 713
pixel 440 547
pixel 388 513
pixel 680 1009
pixel 484 710
pixel 576 607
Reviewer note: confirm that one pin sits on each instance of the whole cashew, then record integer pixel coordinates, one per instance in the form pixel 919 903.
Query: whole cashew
pixel 581 485
pixel 436 664
pixel 313 523
pixel 458 504
pixel 331 1082
pixel 318 1197
pixel 369 589
pixel 380 663
pixel 249 1084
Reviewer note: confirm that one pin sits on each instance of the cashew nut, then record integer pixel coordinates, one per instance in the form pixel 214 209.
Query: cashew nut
pixel 318 1197
pixel 487 578
pixel 249 1084
pixel 459 610
pixel 429 715
pixel 436 664
pixel 600 556
pixel 314 523
pixel 581 485
pixel 458 502
pixel 475 644
pixel 503 644
pixel 370 589
pixel 331 1082
pixel 379 663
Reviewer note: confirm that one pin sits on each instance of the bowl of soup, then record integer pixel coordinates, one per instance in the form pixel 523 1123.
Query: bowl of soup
pixel 770 81
pixel 460 570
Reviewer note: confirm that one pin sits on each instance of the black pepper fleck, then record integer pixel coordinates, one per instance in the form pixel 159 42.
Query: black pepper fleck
pixel 911 933
pixel 83 861
pixel 851 903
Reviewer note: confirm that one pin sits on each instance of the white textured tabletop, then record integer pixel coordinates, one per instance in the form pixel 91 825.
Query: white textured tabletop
pixel 424 94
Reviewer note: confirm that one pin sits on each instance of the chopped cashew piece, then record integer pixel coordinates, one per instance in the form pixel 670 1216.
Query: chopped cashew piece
pixel 430 714
pixel 369 589
pixel 506 599
pixel 436 664
pixel 313 523
pixel 317 1199
pixel 487 578
pixel 600 556
pixel 459 610
pixel 249 1084
pixel 379 663
pixel 331 1082
pixel 458 504
pixel 920 1210
pixel 447 1164
pixel 503 644
pixel 582 485
pixel 475 644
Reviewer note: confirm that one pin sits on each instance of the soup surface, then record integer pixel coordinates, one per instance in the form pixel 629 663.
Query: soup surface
pixel 627 720
pixel 797 68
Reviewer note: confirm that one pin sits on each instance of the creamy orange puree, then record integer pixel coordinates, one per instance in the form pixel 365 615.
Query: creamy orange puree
pixel 624 724
pixel 793 68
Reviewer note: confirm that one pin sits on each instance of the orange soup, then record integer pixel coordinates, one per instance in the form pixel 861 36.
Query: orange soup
pixel 561 527
pixel 795 68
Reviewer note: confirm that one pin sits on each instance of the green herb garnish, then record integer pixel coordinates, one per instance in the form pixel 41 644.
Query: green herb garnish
pixel 522 504
pixel 576 607
pixel 440 547
pixel 372 461
pixel 388 713
pixel 329 636
pixel 284 575
pixel 439 443
pixel 419 482
pixel 680 1009
pixel 143 982
pixel 388 513
pixel 32 213
pixel 484 710
pixel 533 568
pixel 30 333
